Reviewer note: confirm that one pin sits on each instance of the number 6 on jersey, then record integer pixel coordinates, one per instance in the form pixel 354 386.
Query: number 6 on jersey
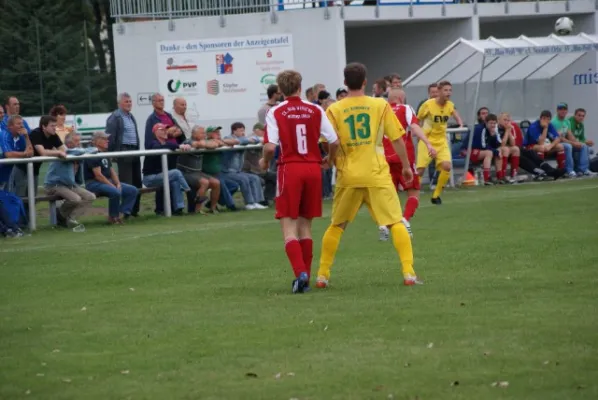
pixel 301 132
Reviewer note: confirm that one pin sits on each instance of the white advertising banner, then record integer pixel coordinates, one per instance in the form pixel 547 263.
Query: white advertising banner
pixel 222 78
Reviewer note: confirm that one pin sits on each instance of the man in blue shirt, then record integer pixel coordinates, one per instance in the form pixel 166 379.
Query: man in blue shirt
pixel 15 143
pixel 13 107
pixel 543 138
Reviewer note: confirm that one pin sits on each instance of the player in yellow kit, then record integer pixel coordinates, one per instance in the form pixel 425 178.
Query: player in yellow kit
pixel 363 176
pixel 434 114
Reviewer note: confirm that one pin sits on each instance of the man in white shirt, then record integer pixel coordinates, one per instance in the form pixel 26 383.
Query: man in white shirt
pixel 179 109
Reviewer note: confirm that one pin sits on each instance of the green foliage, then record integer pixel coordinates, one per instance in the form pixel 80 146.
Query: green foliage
pixel 44 52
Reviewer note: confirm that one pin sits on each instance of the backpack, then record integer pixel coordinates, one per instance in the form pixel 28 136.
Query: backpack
pixel 13 209
pixel 594 164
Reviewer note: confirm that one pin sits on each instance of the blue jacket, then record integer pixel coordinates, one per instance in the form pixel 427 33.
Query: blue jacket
pixel 232 161
pixel 482 140
pixel 535 131
pixel 62 172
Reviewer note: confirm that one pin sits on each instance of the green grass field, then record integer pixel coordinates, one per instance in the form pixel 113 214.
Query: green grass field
pixel 199 307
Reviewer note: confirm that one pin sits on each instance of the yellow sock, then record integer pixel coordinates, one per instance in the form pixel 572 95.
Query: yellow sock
pixel 402 242
pixel 443 178
pixel 330 241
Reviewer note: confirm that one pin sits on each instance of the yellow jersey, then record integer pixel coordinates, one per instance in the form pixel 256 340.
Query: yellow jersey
pixel 435 118
pixel 361 123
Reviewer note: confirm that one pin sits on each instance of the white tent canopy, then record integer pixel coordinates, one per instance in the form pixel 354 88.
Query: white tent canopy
pixel 521 76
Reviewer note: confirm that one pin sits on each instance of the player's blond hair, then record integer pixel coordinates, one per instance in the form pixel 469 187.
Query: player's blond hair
pixel 289 82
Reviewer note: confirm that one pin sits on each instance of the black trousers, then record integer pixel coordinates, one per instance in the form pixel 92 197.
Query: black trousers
pixel 530 162
pixel 129 171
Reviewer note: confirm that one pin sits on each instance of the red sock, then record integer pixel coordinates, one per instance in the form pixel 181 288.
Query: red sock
pixel 503 169
pixel 486 174
pixel 560 159
pixel 540 155
pixel 295 255
pixel 514 165
pixel 410 207
pixel 307 246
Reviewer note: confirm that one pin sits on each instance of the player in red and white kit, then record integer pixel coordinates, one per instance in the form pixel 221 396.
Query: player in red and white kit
pixel 296 125
pixel 408 118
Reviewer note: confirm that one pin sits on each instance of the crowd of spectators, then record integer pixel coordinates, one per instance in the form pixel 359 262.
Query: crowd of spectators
pixel 209 180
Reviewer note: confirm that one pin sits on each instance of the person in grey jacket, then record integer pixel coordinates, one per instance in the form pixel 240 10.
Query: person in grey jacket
pixel 124 136
pixel 61 181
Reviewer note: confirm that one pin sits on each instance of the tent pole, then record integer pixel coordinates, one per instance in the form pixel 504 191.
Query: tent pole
pixel 475 115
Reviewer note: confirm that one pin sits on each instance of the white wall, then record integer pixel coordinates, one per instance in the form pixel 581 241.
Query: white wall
pixel 318 49
pixel 531 26
pixel 402 47
pixel 580 91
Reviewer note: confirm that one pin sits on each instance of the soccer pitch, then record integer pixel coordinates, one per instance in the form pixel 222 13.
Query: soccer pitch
pixel 199 307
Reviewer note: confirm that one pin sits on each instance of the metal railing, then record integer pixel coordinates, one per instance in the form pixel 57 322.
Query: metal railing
pixel 173 9
pixel 117 154
pixel 138 153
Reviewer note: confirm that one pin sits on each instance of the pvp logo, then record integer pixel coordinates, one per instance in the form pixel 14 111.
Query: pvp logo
pixel 267 80
pixel 174 86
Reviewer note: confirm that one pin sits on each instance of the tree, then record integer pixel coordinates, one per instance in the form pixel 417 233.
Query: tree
pixel 43 57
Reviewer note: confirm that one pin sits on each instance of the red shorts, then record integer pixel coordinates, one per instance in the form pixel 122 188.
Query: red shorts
pixel 474 157
pixel 299 191
pixel 396 172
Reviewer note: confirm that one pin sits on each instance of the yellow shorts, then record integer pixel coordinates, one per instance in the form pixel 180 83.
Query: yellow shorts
pixel 423 159
pixel 383 203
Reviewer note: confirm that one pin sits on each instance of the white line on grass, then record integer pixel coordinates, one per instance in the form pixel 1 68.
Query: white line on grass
pixel 246 224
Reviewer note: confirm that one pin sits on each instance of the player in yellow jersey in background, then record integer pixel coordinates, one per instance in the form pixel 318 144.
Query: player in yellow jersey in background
pixel 434 114
pixel 363 176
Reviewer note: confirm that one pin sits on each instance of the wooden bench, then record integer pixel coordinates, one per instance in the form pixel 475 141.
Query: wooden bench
pixel 53 199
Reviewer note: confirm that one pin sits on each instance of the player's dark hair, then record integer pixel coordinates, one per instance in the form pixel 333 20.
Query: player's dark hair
pixel 580 110
pixel 432 85
pixel 382 85
pixel 289 82
pixel 442 84
pixel 236 125
pixel 272 90
pixel 58 110
pixel 355 74
pixel 545 114
pixel 394 76
pixel 491 117
pixel 45 120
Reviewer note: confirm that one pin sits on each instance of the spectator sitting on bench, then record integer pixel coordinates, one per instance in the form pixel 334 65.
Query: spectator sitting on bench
pixel 102 180
pixel 212 165
pixel 251 165
pixel 61 181
pixel 580 150
pixel 14 143
pixel 482 114
pixel 542 138
pixel 152 167
pixel 507 146
pixel 190 165
pixel 45 143
pixel 232 165
pixel 563 126
pixel 485 137
pixel 528 159
pixel 578 127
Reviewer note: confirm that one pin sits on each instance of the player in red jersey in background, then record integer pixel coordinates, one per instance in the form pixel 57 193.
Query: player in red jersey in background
pixel 296 126
pixel 408 118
